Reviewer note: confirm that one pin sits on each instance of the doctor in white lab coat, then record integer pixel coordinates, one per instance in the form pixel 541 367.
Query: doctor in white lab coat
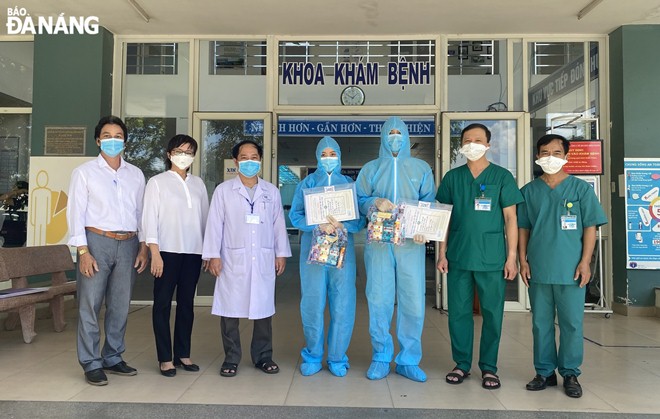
pixel 246 244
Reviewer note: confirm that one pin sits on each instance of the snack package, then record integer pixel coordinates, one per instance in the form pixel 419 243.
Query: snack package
pixel 384 227
pixel 328 249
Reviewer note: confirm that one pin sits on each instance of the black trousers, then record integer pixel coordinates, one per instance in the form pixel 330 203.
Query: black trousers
pixel 181 272
pixel 261 348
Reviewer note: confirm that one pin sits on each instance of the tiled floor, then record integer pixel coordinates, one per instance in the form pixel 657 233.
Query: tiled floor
pixel 621 372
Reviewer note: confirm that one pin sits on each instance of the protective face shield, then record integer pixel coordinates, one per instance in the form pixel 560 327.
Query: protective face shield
pixel 249 168
pixel 329 163
pixel 395 141
pixel 473 151
pixel 112 146
pixel 551 164
pixel 182 161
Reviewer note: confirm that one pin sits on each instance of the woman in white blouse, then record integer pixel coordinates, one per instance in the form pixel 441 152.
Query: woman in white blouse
pixel 174 218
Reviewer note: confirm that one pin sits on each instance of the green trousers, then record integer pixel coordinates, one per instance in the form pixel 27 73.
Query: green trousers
pixel 460 298
pixel 568 303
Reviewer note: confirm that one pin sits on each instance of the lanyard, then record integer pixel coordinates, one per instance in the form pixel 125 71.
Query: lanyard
pixel 251 205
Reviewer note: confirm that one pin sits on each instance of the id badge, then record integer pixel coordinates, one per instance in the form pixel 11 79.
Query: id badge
pixel 252 218
pixel 569 222
pixel 482 204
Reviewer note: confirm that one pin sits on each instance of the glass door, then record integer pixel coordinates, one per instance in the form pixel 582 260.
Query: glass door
pixel 216 134
pixel 509 148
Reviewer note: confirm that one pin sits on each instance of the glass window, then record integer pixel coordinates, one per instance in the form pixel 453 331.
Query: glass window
pixel 237 57
pixel 232 76
pixel 147 143
pixel 218 138
pixel 472 57
pixel 16 67
pixel 157 58
pixel 477 75
pixel 560 101
pixel 154 107
pixel 503 143
pixel 548 57
pixel 556 95
pixel 14 161
pixel 389 72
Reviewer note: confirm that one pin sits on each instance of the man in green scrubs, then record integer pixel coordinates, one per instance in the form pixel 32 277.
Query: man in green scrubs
pixel 557 236
pixel 477 252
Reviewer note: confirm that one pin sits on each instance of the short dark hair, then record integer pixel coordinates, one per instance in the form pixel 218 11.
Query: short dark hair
pixel 237 147
pixel 112 120
pixel 476 125
pixel 548 138
pixel 176 141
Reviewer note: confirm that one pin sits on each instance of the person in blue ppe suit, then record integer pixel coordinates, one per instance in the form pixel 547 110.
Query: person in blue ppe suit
pixel 318 281
pixel 395 269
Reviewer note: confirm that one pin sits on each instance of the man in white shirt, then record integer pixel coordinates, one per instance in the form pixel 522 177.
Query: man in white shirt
pixel 103 214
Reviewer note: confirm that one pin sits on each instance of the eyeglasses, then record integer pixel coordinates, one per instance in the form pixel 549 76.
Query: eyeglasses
pixel 183 153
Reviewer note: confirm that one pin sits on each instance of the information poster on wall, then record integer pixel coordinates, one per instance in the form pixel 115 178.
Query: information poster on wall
pixel 49 185
pixel 642 187
pixel 585 158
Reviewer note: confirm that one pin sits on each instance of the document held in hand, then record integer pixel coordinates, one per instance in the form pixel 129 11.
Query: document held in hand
pixel 428 218
pixel 340 201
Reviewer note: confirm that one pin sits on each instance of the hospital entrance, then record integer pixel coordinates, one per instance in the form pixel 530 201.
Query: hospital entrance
pixel 289 156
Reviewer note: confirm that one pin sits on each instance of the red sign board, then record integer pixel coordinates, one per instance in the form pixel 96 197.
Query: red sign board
pixel 585 158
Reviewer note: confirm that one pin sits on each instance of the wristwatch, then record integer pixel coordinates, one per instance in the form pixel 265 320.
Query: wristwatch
pixel 82 251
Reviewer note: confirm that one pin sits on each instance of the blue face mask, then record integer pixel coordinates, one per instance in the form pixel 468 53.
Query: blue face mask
pixel 395 141
pixel 112 146
pixel 249 168
pixel 329 163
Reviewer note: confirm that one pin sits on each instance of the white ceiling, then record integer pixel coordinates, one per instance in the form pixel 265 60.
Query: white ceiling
pixel 352 17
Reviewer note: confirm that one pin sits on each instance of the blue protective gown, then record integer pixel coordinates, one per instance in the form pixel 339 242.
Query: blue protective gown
pixel 392 269
pixel 319 282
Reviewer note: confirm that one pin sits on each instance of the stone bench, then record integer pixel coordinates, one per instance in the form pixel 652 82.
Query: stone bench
pixel 17 264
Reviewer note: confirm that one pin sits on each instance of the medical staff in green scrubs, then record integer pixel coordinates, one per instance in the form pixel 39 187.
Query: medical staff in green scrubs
pixel 478 253
pixel 557 235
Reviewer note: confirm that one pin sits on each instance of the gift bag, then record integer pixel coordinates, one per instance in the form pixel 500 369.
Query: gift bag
pixel 384 227
pixel 328 249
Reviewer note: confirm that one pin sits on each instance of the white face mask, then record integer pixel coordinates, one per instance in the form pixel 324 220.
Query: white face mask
pixel 182 162
pixel 473 151
pixel 551 164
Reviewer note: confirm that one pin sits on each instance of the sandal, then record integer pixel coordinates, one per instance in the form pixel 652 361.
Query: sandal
pixel 495 380
pixel 458 377
pixel 268 366
pixel 228 369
